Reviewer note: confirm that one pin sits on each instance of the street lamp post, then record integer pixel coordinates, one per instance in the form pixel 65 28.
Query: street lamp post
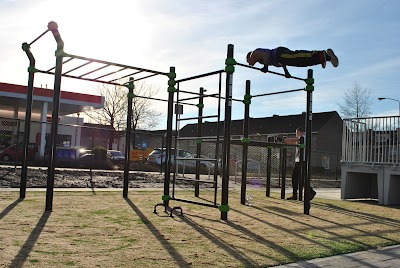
pixel 392 100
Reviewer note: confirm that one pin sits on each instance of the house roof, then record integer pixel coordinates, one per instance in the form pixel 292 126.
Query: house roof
pixel 265 125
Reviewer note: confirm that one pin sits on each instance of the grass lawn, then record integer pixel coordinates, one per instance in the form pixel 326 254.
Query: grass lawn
pixel 102 229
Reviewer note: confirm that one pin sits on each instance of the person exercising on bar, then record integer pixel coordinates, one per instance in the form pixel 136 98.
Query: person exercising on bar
pixel 282 57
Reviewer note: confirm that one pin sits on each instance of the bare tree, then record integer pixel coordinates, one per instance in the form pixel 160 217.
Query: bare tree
pixel 357 102
pixel 115 108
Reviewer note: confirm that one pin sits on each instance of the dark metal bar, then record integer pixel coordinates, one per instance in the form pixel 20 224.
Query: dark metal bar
pixel 198 145
pixel 123 68
pixel 196 181
pixel 191 118
pixel 168 145
pixel 144 77
pixel 194 202
pixel 27 130
pixel 245 146
pixel 284 156
pixel 262 144
pixel 199 76
pixel 131 86
pixel 255 68
pixel 53 27
pixel 269 167
pixel 125 76
pixel 114 64
pixel 82 78
pixel 45 32
pixel 280 92
pixel 308 147
pixel 196 97
pixel 301 169
pixel 65 61
pixel 216 166
pixel 95 70
pixel 76 68
pixel 227 136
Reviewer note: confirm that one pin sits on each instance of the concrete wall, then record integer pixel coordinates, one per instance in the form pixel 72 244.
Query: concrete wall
pixel 380 182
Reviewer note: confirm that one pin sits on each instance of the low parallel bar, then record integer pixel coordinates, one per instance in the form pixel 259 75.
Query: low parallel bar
pixel 195 202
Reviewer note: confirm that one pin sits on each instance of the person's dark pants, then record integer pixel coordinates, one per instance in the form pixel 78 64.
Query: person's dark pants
pixel 296 176
pixel 299 58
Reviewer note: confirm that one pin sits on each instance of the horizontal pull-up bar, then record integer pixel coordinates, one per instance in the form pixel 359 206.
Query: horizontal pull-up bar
pixel 114 64
pixel 255 68
pixel 279 92
pixel 199 76
pixel 197 97
pixel 45 32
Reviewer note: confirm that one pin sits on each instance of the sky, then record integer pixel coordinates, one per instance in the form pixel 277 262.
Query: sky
pixel 193 36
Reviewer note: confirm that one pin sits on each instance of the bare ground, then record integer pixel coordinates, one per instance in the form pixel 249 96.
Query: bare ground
pixel 69 178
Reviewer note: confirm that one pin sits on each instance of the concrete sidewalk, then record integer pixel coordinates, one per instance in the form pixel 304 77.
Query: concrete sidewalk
pixel 387 257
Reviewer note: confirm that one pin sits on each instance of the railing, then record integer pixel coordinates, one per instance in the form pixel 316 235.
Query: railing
pixel 371 140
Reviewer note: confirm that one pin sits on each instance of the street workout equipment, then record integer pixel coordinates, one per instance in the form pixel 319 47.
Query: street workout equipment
pixel 62 58
pixel 173 87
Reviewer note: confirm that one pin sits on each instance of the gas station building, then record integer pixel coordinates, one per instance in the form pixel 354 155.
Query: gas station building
pixel 13 108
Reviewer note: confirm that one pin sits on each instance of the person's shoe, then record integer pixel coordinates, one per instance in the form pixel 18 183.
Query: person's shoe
pixel 334 58
pixel 322 58
pixel 312 195
pixel 293 197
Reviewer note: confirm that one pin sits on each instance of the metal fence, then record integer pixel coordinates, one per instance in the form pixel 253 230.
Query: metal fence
pixel 75 139
pixel 372 140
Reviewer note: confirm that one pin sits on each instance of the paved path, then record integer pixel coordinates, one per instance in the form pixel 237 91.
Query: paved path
pixel 387 257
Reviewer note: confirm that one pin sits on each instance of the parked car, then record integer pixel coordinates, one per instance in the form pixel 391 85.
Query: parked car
pixel 89 160
pixel 116 157
pixel 157 157
pixel 10 153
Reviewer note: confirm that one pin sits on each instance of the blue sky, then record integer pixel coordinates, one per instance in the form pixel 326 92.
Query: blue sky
pixel 193 37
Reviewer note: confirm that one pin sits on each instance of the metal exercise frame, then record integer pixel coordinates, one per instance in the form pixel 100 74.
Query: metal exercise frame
pixel 245 141
pixel 229 70
pixel 60 55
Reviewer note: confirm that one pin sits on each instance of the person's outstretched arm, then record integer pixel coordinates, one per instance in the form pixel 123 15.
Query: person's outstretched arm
pixel 287 74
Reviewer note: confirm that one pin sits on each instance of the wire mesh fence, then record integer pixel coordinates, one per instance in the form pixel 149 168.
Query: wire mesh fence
pixel 89 146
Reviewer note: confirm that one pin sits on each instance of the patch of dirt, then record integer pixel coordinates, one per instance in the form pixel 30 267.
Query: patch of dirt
pixel 69 178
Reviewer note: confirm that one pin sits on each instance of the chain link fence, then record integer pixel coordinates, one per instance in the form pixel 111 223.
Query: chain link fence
pixel 77 144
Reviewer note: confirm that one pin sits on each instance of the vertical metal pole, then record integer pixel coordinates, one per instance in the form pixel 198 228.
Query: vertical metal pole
pixel 269 167
pixel 282 152
pixel 198 146
pixel 168 145
pixel 227 134
pixel 307 166
pixel 53 27
pixel 301 168
pixel 27 129
pixel 245 143
pixel 131 86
